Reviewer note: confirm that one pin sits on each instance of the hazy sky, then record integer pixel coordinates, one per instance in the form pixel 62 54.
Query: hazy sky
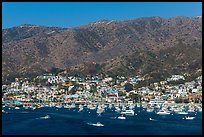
pixel 73 14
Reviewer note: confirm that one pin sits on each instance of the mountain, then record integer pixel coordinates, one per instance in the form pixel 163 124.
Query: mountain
pixel 151 46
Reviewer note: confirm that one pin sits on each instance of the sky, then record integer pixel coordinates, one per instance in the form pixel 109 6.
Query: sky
pixel 74 14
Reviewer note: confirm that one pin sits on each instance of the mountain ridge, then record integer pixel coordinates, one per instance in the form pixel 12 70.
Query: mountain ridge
pixel 103 42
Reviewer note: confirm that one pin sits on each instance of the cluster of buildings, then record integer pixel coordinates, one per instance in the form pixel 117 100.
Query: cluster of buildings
pixel 53 90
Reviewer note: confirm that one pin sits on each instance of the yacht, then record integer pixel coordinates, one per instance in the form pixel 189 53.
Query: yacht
pixel 163 112
pixel 150 109
pixel 67 106
pixel 81 107
pixel 138 105
pixel 72 105
pixel 58 106
pixel 131 106
pixel 45 117
pixel 199 109
pixel 100 110
pixel 117 109
pixel 110 106
pixel 182 113
pixel 190 118
pixel 121 117
pixel 151 119
pixel 17 108
pixel 191 110
pixel 128 112
pixel 123 108
pixel 98 124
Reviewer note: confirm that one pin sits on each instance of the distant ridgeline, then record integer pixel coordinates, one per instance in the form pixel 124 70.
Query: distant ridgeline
pixel 153 47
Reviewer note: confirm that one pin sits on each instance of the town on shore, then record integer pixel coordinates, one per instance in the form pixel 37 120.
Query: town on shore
pixel 98 92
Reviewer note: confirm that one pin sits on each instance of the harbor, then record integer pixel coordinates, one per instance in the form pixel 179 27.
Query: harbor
pixel 46 120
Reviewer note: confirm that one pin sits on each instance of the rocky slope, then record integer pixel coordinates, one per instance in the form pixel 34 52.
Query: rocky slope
pixel 150 46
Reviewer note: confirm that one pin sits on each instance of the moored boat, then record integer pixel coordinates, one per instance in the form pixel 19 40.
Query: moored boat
pixel 163 112
pixel 121 117
pixel 128 112
pixel 182 113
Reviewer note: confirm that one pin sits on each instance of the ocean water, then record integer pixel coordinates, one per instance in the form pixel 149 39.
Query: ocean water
pixel 71 122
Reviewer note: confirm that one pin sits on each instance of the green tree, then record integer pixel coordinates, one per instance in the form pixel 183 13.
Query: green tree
pixel 135 97
pixel 128 87
pixel 121 93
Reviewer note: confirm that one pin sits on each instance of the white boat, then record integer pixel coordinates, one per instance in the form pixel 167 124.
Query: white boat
pixel 117 109
pixel 59 106
pixel 132 106
pixel 138 105
pixel 26 107
pixel 150 109
pixel 17 108
pixel 67 106
pixel 100 110
pixel 200 109
pixel 190 118
pixel 98 124
pixel 163 112
pixel 80 108
pixel 128 112
pixel 93 107
pixel 151 119
pixel 182 113
pixel 72 105
pixel 123 108
pixel 4 112
pixel 191 110
pixel 110 106
pixel 45 117
pixel 121 117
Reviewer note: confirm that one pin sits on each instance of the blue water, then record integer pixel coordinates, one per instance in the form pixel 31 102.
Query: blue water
pixel 71 122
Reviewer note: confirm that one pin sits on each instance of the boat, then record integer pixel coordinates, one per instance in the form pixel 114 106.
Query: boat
pixel 45 117
pixel 138 105
pixel 3 111
pixel 163 112
pixel 117 109
pixel 182 113
pixel 190 118
pixel 199 109
pixel 92 107
pixel 121 117
pixel 132 107
pixel 191 110
pixel 98 124
pixel 73 105
pixel 17 108
pixel 80 108
pixel 150 109
pixel 151 119
pixel 67 106
pixel 100 110
pixel 58 106
pixel 123 108
pixel 128 112
pixel 110 106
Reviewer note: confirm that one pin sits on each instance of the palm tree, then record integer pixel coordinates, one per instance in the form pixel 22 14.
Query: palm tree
pixel 135 97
